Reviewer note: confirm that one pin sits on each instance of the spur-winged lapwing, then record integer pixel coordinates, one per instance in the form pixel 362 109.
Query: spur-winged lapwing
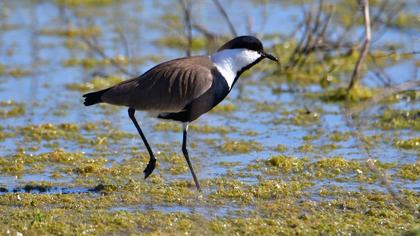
pixel 183 89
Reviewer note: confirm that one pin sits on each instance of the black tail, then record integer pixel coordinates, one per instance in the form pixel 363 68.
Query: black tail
pixel 93 98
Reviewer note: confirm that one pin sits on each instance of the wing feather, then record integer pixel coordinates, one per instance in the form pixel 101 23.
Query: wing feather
pixel 167 87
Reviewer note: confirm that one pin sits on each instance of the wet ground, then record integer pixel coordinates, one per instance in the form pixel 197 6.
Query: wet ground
pixel 274 157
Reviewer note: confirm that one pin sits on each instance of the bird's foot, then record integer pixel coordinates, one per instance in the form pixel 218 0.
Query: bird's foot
pixel 149 168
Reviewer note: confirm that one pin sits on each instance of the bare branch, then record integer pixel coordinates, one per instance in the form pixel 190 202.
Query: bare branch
pixel 186 8
pixel 93 45
pixel 368 36
pixel 225 15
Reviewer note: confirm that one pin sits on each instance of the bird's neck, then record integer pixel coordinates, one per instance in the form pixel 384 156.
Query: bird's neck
pixel 232 62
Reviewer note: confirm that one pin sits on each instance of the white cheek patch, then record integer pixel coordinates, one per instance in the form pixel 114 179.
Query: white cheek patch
pixel 230 61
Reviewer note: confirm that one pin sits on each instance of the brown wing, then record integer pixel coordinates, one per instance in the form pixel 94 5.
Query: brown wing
pixel 167 87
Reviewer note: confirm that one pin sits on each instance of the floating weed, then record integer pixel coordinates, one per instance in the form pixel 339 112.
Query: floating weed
pixel 412 143
pixel 96 84
pixel 82 3
pixel 280 148
pixel 287 164
pixel 198 43
pixel 331 167
pixel 299 117
pixel 50 131
pixel 90 63
pixel 337 136
pixel 249 133
pixel 11 109
pixel 224 108
pixel 240 146
pixel 267 107
pixel 18 72
pixel 23 162
pixel 358 93
pixel 72 31
pixel 167 126
pixel 400 119
pixel 212 129
pixel 409 171
pixel 306 147
pixel 176 163
pixel 303 117
pixel 175 127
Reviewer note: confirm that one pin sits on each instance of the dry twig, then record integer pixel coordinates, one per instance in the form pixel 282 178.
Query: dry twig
pixel 94 46
pixel 368 36
pixel 225 15
pixel 186 8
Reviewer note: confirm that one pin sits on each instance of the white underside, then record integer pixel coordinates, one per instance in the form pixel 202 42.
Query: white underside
pixel 230 61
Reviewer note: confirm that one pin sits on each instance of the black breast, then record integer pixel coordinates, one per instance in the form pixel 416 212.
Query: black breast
pixel 217 92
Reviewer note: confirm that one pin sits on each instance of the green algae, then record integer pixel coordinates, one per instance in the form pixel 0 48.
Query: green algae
pixel 270 206
pixel 95 84
pixel 224 108
pixel 267 107
pixel 240 146
pixel 175 127
pixel 72 31
pixel 412 143
pixel 399 119
pixel 11 109
pixel 356 94
pixel 82 3
pixel 337 136
pixel 280 148
pixel 175 42
pixel 306 147
pixel 409 171
pixel 48 131
pixel 287 164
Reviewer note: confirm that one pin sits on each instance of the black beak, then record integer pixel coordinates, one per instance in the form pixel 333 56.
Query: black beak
pixel 269 56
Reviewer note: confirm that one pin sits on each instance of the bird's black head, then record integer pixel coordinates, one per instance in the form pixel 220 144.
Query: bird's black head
pixel 248 42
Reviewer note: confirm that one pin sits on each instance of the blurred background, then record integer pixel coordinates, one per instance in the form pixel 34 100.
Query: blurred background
pixel 347 127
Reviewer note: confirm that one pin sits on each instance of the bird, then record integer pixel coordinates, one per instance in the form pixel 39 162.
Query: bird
pixel 183 89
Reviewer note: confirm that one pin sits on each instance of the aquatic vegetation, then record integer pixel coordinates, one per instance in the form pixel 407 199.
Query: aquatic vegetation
pixel 240 146
pixel 167 126
pixel 298 117
pixel 412 143
pixel 212 129
pixel 287 164
pixel 338 136
pixel 95 84
pixel 357 94
pixel 409 171
pixel 15 72
pixel 400 119
pixel 331 167
pixel 198 43
pixel 267 107
pixel 78 3
pixel 175 127
pixel 72 31
pixel 224 108
pixel 11 109
pixel 280 148
pixel 50 132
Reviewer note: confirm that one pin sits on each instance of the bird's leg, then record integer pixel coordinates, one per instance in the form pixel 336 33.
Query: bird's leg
pixel 187 158
pixel 152 161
